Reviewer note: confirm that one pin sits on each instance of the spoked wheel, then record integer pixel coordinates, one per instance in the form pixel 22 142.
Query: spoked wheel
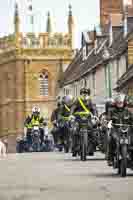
pixel 119 170
pixel 36 147
pixel 66 147
pixel 123 162
pixel 84 144
pixel 66 144
pixel 66 140
pixel 83 152
pixel 91 149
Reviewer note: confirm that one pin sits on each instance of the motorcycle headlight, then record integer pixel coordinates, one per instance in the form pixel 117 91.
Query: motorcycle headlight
pixel 36 128
pixel 93 121
pixel 84 118
pixel 36 132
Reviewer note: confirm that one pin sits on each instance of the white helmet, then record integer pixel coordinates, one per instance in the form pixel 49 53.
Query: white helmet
pixel 68 100
pixel 35 109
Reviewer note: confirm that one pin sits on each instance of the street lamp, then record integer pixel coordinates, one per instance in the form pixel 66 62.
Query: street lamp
pixel 106 56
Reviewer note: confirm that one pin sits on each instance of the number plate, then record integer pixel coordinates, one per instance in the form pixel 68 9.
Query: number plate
pixel 123 141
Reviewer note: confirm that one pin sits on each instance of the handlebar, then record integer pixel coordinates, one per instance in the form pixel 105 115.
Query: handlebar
pixel 122 125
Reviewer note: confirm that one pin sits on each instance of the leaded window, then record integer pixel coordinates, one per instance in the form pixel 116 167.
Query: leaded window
pixel 44 84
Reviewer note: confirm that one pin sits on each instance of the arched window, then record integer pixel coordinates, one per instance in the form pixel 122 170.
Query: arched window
pixel 43 84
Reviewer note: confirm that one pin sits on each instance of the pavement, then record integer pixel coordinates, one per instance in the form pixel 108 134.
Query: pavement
pixel 58 176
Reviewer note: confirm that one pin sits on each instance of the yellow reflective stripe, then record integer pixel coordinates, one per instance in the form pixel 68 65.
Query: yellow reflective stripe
pixel 65 118
pixel 68 109
pixel 81 113
pixel 83 106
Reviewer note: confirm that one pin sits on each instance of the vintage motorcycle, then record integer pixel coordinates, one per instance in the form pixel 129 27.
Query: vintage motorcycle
pixel 35 134
pixel 123 156
pixel 83 137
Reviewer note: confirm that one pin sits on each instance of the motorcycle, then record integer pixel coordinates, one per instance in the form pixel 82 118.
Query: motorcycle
pixel 48 143
pixel 123 156
pixel 84 127
pixel 35 133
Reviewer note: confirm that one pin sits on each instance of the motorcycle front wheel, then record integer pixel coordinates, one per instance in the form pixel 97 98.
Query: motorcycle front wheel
pixel 123 162
pixel 84 144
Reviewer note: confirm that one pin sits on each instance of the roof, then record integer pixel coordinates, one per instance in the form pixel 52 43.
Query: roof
pixel 127 76
pixel 79 68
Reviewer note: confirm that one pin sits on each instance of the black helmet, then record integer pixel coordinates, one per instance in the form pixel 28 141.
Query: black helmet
pixel 63 99
pixel 83 91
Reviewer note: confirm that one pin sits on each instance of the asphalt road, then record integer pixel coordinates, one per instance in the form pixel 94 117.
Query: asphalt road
pixel 57 176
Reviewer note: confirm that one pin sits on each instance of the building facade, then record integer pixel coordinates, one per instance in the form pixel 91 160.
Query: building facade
pixel 103 58
pixel 125 83
pixel 30 68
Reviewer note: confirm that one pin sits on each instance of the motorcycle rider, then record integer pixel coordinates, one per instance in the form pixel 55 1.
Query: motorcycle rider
pixel 104 123
pixel 64 115
pixel 34 119
pixel 119 114
pixel 83 104
pixel 54 120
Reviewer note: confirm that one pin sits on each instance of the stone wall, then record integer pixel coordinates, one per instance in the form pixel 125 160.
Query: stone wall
pixel 20 91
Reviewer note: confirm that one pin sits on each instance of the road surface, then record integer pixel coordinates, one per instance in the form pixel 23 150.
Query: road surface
pixel 57 176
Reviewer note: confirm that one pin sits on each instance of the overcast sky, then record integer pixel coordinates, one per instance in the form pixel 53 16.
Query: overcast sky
pixel 85 12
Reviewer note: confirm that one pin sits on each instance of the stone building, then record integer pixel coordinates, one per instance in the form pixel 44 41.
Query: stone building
pixel 30 68
pixel 93 68
pixel 125 83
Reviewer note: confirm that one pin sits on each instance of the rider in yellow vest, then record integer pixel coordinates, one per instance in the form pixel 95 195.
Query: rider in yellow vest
pixel 65 109
pixel 34 120
pixel 83 105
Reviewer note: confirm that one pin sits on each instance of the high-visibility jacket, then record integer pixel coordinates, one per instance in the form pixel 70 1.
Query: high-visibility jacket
pixel 86 110
pixel 32 122
pixel 29 125
pixel 82 107
pixel 35 122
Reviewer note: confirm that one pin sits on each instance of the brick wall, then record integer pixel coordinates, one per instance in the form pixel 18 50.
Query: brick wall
pixel 107 7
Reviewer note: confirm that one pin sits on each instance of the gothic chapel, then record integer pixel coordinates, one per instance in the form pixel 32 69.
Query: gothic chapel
pixel 30 70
